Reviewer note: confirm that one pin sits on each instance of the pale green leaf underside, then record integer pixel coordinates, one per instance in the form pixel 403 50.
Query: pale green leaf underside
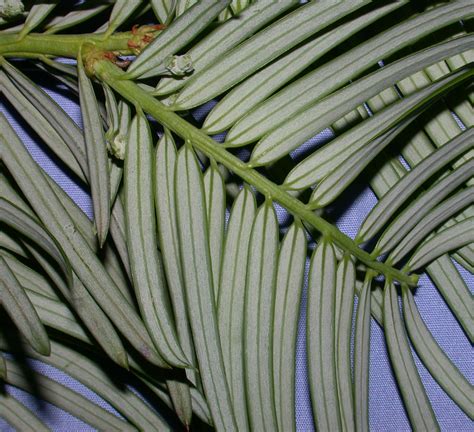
pixel 28 278
pixel 96 152
pixel 211 269
pixel 295 130
pixel 260 49
pixel 444 241
pixel 324 161
pixel 145 263
pixel 74 17
pixel 64 126
pixel 343 311
pixel 403 189
pixel 32 229
pixel 121 11
pixel 68 400
pixel 214 190
pixel 163 9
pixel 414 397
pixel 436 217
pixel 152 60
pixel 183 5
pixel 258 313
pixel 165 208
pixel 231 298
pixel 18 416
pixel 196 264
pixel 336 73
pixel 320 337
pixel 256 88
pixel 21 311
pixel 289 285
pixel 36 16
pixel 343 173
pixel 112 111
pixel 85 369
pixel 40 124
pixel 11 245
pixel 52 313
pixel 85 263
pixel 444 274
pixel 11 195
pixel 361 357
pixel 89 313
pixel 225 37
pixel 422 206
pixel 92 316
pixel 437 362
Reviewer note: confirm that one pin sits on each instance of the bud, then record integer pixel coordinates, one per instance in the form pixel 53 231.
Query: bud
pixel 117 146
pixel 180 65
pixel 11 8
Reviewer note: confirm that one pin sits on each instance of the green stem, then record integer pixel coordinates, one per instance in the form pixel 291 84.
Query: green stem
pixel 109 73
pixel 61 45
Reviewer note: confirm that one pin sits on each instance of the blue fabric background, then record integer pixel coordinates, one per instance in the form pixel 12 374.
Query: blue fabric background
pixel 386 409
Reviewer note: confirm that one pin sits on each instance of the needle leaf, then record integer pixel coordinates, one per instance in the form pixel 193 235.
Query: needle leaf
pixel 196 264
pixel 152 61
pixel 320 336
pixel 414 397
pixel 433 357
pixel 260 49
pixel 21 311
pixel 96 151
pixel 258 316
pixel 361 357
pixel 85 263
pixel 165 207
pixel 442 242
pixel 145 263
pixel 289 285
pixel 231 299
pixel 214 190
pixel 344 305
